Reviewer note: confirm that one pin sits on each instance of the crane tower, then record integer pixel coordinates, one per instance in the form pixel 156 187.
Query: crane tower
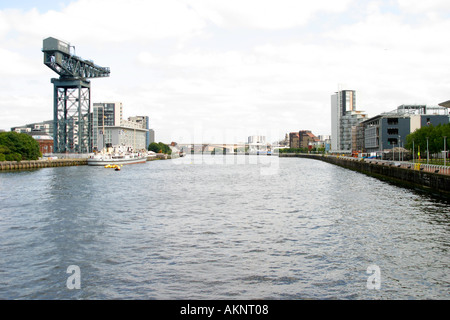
pixel 71 96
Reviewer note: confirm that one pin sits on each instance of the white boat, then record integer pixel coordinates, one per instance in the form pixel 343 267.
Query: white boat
pixel 116 156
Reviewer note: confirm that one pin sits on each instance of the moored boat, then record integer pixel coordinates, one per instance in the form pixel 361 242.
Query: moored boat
pixel 116 156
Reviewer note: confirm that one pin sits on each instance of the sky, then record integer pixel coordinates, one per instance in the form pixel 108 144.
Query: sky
pixel 214 71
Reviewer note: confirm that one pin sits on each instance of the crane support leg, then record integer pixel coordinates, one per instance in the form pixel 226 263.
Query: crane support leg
pixel 71 116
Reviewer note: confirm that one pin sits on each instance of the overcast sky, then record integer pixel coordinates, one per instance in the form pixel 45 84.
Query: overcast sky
pixel 220 71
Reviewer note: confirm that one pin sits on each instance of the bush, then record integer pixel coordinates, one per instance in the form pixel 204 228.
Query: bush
pixel 2 157
pixel 19 144
pixel 13 157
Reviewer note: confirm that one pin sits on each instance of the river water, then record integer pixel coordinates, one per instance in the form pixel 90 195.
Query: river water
pixel 220 227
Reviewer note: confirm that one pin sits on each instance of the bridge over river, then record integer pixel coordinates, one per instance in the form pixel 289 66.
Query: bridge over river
pixel 228 148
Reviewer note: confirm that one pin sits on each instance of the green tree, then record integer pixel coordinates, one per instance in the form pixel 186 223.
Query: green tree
pixel 435 136
pixel 159 148
pixel 153 147
pixel 18 146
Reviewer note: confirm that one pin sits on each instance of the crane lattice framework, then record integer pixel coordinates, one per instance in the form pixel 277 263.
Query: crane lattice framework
pixel 72 130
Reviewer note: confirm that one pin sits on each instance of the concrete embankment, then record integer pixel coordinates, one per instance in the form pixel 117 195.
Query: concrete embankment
pixel 407 177
pixel 36 164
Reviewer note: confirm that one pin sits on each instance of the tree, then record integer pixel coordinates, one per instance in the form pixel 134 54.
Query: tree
pixel 18 146
pixel 435 136
pixel 159 148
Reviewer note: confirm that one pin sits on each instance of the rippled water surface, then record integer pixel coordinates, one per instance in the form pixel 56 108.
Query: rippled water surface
pixel 220 228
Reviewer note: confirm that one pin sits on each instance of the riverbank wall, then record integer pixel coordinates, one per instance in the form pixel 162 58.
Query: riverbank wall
pixel 405 176
pixel 49 163
pixel 36 164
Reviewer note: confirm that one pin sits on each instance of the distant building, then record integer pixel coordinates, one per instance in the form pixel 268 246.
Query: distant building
pixel 151 134
pixel 45 127
pixel 284 142
pixel 257 139
pixel 324 142
pixel 294 140
pixel 307 138
pixel 302 139
pixel 257 143
pixel 389 130
pixel 344 120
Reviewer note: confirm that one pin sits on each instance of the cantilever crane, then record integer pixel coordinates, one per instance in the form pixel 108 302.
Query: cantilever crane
pixel 72 96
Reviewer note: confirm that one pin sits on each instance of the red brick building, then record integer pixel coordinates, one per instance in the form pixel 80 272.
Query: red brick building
pixel 44 140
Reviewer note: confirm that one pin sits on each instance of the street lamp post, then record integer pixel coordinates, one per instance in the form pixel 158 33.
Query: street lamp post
pixel 393 151
pixel 428 155
pixel 445 150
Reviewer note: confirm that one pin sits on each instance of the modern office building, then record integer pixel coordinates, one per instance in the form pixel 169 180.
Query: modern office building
pixel 104 115
pixel 389 130
pixel 344 120
pixel 109 127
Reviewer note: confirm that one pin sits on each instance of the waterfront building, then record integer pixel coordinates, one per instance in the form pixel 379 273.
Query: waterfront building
pixel 389 130
pixel 302 139
pixel 107 114
pixel 124 136
pixel 344 120
pixel 144 123
pixel 45 141
pixel 294 140
pixel 109 127
pixel 307 138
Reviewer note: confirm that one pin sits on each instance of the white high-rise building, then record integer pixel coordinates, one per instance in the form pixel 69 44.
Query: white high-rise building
pixel 344 119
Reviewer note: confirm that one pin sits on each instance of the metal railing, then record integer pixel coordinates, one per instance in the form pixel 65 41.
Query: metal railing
pixel 400 164
pixel 413 166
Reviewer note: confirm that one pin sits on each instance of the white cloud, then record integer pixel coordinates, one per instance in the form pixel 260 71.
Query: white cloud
pixel 14 64
pixel 110 21
pixel 425 7
pixel 264 14
pixel 147 59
